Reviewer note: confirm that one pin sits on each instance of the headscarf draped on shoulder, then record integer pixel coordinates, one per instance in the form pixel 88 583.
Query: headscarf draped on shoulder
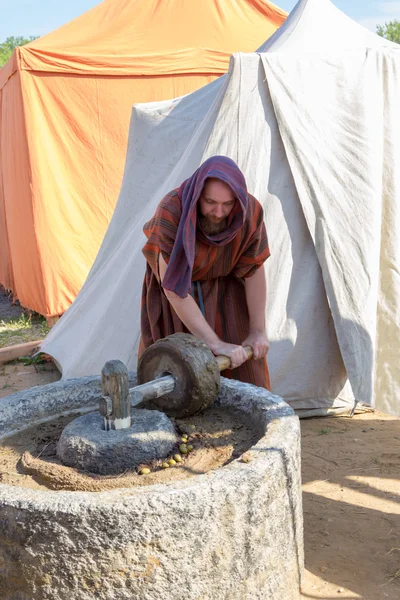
pixel 178 276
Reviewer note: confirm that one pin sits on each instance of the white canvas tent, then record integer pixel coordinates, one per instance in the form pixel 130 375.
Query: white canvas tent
pixel 312 120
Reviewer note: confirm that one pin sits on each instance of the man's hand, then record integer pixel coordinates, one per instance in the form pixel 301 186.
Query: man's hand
pixel 236 354
pixel 259 342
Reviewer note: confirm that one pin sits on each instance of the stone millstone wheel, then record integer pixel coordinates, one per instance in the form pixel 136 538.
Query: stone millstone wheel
pixel 194 368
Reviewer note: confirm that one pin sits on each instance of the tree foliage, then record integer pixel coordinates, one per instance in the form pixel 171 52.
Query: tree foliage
pixel 8 47
pixel 390 31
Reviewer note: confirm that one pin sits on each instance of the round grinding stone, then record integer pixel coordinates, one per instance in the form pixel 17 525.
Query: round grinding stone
pixel 84 444
pixel 194 368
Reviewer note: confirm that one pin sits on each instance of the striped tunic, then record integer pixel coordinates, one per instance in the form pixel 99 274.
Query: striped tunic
pixel 219 269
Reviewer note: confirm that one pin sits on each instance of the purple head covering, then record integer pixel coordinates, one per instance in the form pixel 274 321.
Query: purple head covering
pixel 178 276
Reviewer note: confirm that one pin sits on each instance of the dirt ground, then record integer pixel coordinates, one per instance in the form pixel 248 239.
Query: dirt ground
pixel 351 498
pixel 351 501
pixel 15 377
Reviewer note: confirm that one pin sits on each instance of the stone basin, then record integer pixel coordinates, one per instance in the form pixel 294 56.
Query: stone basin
pixel 234 533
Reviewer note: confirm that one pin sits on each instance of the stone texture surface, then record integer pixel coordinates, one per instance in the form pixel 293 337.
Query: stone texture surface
pixel 85 444
pixel 43 403
pixel 232 534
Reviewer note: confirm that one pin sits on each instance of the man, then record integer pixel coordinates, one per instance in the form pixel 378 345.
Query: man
pixel 205 251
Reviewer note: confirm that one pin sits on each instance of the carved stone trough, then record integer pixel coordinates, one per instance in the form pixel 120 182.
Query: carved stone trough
pixel 234 533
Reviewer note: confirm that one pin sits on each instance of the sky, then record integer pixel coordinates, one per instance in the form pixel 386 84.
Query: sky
pixel 37 17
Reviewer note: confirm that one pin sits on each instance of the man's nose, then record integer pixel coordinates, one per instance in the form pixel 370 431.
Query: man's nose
pixel 219 211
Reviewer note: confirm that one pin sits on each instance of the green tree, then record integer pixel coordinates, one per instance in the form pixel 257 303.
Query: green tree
pixel 8 47
pixel 390 31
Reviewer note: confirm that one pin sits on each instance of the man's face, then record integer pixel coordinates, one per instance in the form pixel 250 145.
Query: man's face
pixel 215 203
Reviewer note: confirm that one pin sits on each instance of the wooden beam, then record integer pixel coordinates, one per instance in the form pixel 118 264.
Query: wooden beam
pixel 13 352
pixel 51 321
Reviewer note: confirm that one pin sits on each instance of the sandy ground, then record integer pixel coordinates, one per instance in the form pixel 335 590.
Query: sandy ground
pixel 17 377
pixel 351 501
pixel 351 472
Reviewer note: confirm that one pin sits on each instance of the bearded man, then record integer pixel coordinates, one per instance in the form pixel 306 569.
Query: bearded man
pixel 205 252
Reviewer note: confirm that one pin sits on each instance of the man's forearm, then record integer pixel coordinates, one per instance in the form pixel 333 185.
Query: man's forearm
pixel 256 295
pixel 189 313
pixel 192 317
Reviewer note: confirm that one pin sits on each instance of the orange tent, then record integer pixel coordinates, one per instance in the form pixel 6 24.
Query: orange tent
pixel 65 105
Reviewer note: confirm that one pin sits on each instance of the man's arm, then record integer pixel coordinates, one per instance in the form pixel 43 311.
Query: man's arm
pixel 191 316
pixel 256 297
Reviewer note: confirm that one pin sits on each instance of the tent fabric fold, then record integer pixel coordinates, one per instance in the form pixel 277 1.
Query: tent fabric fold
pixel 177 62
pixel 317 136
pixel 66 102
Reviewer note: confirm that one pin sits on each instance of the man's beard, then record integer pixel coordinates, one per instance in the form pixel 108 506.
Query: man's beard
pixel 211 228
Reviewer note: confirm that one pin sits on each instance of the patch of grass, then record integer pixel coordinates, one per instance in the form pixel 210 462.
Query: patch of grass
pixel 26 328
pixel 324 431
pixel 38 359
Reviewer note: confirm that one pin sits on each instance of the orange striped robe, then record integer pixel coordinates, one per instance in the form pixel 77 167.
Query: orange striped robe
pixel 221 271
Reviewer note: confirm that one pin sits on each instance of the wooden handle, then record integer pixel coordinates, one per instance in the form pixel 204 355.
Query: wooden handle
pixel 224 362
